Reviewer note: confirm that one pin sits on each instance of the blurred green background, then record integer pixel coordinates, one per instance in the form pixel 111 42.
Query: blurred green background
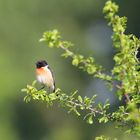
pixel 81 22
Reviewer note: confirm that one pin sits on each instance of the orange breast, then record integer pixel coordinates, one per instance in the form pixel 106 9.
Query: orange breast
pixel 45 76
pixel 40 71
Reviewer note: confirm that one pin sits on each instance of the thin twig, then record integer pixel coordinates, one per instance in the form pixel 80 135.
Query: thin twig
pixel 127 97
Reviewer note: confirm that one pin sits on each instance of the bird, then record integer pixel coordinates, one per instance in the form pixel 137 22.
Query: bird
pixel 45 76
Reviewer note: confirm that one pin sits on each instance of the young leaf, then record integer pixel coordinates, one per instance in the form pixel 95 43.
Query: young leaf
pixel 90 119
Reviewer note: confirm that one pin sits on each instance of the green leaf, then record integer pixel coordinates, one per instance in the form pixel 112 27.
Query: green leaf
pixel 75 62
pixel 103 119
pixel 76 111
pixel 27 99
pixel 34 82
pixel 82 107
pixel 91 69
pixel 90 119
pixel 24 90
pixel 80 99
pixel 53 96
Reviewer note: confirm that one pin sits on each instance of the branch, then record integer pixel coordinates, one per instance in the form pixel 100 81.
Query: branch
pixel 87 64
pixel 75 103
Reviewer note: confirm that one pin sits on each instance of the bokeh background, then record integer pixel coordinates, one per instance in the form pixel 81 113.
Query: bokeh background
pixel 81 22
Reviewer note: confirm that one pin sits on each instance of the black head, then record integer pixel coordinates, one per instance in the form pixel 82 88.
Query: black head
pixel 41 63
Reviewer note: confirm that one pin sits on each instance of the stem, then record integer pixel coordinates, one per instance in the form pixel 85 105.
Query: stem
pixel 97 74
pixel 95 110
pixel 126 94
pixel 127 97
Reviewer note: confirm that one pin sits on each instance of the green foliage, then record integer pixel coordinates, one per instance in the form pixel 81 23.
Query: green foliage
pixel 75 103
pixel 104 138
pixel 124 76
